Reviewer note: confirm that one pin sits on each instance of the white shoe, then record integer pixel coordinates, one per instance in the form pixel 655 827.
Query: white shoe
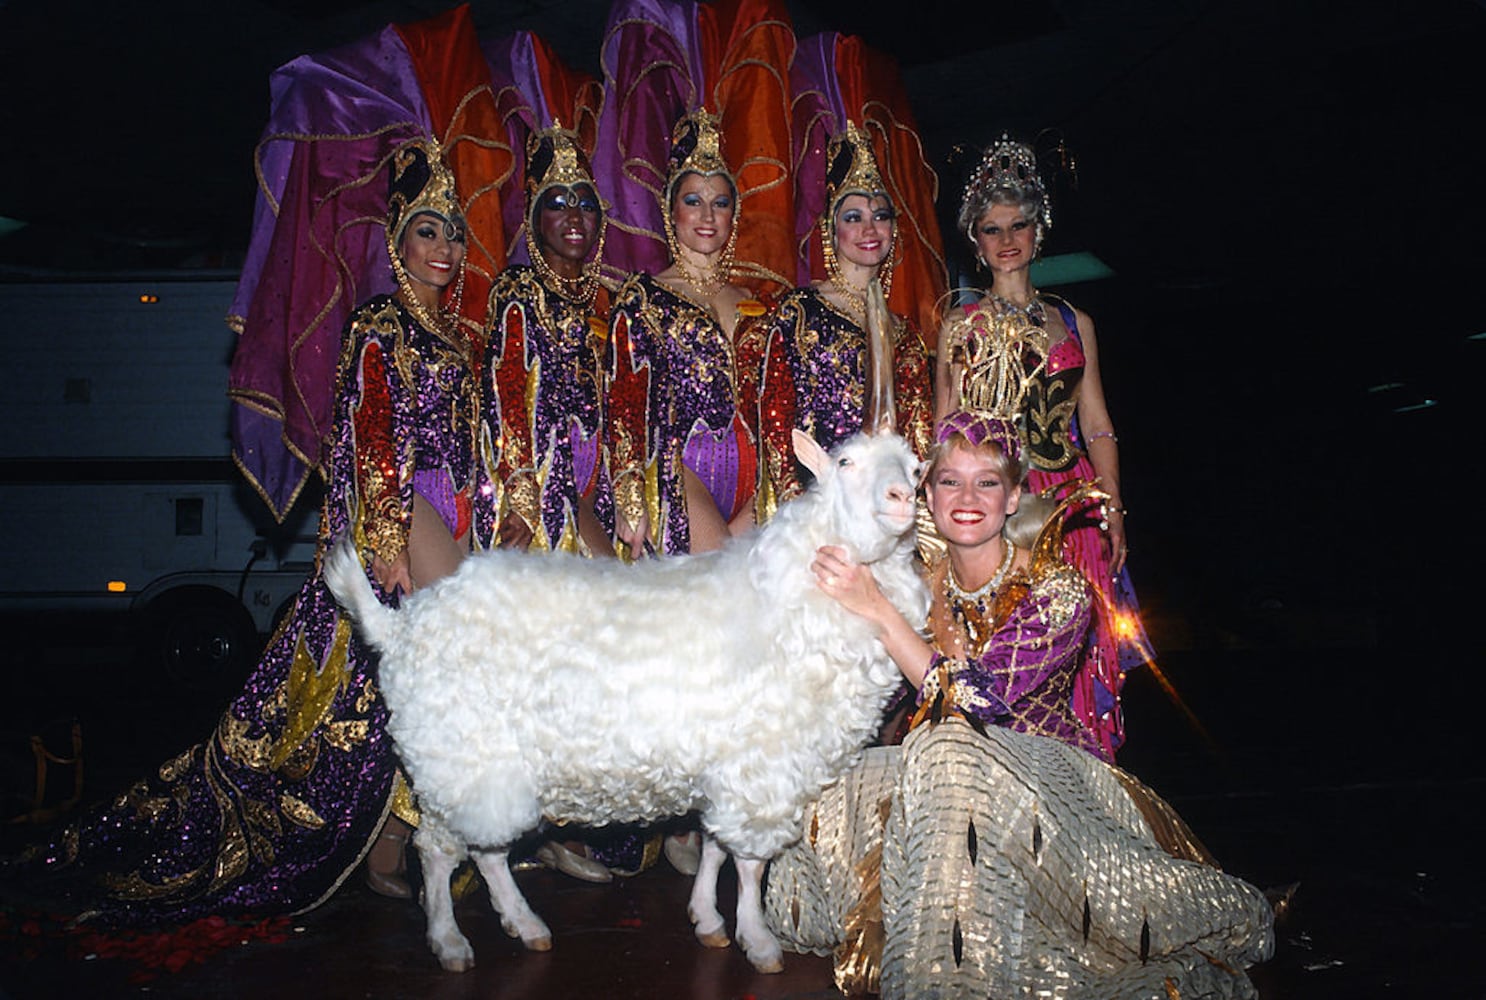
pixel 559 858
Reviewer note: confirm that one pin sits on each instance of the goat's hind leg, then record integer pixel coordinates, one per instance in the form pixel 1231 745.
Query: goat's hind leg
pixel 516 916
pixel 761 947
pixel 439 854
pixel 706 921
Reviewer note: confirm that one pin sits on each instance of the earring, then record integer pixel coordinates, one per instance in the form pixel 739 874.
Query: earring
pixel 828 251
pixel 885 275
pixel 673 247
pixel 592 268
pixel 725 262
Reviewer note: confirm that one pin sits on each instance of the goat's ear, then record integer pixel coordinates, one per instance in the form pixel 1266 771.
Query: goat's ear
pixel 811 455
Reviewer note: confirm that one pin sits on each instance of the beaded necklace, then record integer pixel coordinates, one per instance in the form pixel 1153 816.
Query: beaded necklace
pixel 972 610
pixel 1035 310
pixel 703 282
pixel 987 589
pixel 856 301
pixel 580 290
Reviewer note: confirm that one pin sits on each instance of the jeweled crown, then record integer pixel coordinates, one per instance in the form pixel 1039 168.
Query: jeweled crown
pixel 1012 166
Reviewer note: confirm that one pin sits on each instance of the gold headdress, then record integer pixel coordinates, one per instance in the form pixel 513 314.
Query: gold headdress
pixel 1009 166
pixel 851 168
pixel 420 182
pixel 555 159
pixel 696 147
pixel 1000 352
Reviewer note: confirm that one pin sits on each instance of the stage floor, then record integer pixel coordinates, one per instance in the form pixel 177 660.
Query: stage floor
pixel 1376 825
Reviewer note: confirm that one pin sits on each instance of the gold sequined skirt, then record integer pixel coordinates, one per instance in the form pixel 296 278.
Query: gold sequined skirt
pixel 1011 866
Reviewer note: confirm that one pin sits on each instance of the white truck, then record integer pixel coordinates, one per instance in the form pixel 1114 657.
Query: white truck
pixel 118 495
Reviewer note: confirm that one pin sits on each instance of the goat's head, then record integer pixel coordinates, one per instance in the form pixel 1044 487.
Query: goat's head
pixel 868 486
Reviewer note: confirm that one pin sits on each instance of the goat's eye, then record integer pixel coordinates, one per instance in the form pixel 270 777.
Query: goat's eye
pixel 843 462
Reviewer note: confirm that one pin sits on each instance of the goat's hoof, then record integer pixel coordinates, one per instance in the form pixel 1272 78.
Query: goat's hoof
pixel 763 952
pixel 767 965
pixel 456 958
pixel 534 934
pixel 709 929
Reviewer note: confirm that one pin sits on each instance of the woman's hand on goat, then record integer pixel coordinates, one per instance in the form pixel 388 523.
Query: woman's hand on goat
pixel 514 532
pixel 632 535
pixel 849 583
pixel 853 586
pixel 394 574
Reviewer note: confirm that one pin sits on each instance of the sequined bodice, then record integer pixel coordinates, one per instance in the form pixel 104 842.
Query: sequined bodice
pixel 564 341
pixel 828 361
pixel 437 399
pixel 1052 401
pixel 695 378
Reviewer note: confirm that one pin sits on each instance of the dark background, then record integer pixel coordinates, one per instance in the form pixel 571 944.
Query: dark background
pixel 1288 194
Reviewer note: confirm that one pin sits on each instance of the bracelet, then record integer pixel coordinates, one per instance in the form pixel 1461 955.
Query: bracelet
pixel 1103 434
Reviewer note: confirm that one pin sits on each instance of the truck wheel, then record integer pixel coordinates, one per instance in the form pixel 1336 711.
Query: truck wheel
pixel 201 645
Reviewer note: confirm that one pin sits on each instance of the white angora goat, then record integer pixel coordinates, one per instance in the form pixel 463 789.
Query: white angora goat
pixel 586 691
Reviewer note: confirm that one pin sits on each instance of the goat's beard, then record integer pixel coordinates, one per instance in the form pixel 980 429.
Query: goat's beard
pixel 895 529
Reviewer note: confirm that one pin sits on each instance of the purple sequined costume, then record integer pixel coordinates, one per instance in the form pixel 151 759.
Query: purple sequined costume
pixel 682 393
pixel 272 811
pixel 813 377
pixel 1007 857
pixel 1009 658
pixel 543 407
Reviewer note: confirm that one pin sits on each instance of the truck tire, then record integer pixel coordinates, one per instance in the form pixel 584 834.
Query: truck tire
pixel 199 641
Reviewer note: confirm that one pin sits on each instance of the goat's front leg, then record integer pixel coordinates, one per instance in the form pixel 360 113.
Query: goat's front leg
pixel 761 947
pixel 515 915
pixel 706 921
pixel 438 857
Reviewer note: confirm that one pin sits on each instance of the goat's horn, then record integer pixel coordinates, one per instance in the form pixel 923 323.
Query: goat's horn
pixel 881 414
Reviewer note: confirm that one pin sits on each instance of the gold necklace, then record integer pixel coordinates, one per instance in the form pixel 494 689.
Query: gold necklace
pixel 441 322
pixel 856 301
pixel 579 290
pixel 989 588
pixel 704 283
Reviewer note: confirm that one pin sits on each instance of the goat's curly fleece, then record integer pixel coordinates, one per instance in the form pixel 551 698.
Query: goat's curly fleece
pixel 592 692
